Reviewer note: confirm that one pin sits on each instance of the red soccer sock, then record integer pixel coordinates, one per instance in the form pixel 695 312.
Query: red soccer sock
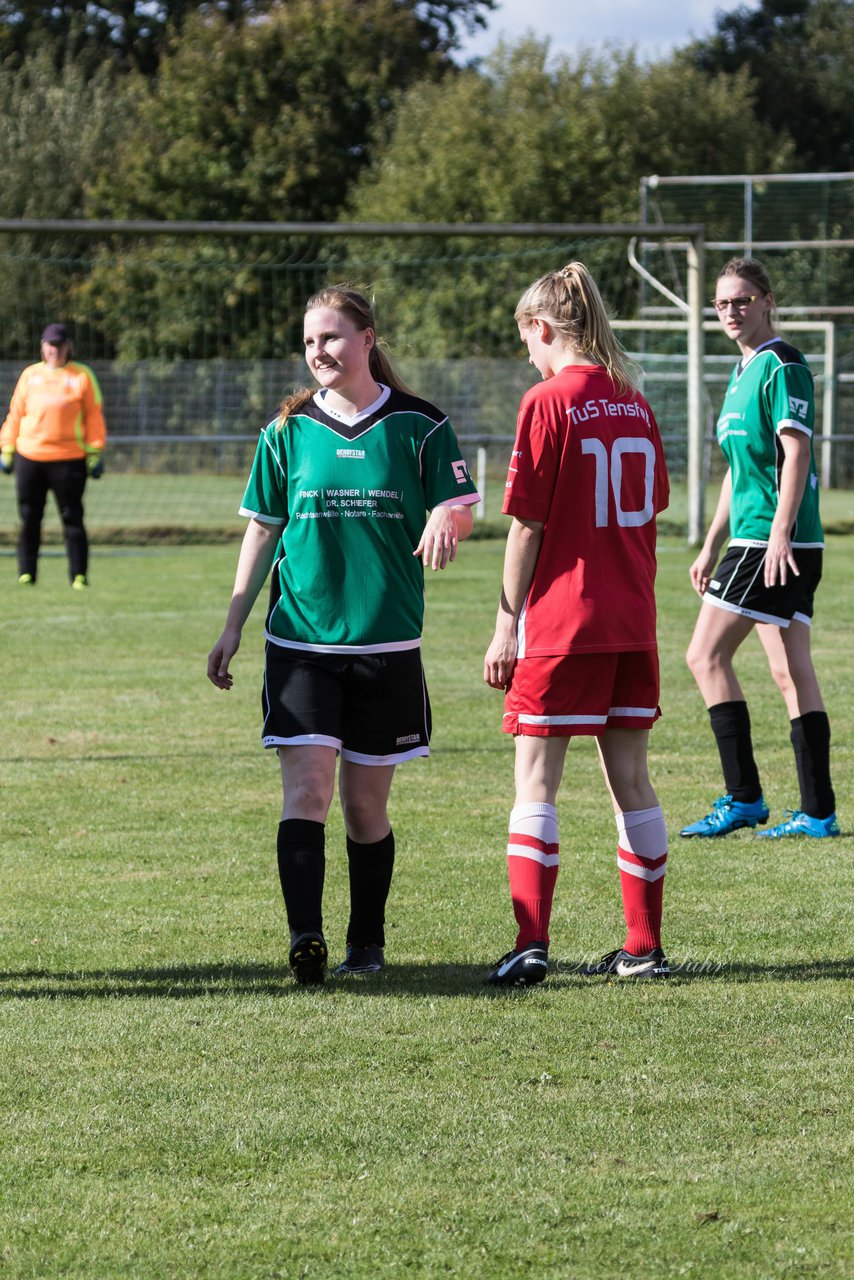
pixel 532 863
pixel 642 860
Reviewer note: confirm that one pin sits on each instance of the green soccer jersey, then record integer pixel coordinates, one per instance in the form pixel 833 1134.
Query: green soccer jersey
pixel 352 497
pixel 772 391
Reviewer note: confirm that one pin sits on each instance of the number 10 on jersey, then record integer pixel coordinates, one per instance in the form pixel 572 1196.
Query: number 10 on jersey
pixel 609 473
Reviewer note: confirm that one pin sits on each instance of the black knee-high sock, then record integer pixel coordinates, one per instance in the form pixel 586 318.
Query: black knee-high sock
pixel 371 867
pixel 811 743
pixel 302 864
pixel 731 727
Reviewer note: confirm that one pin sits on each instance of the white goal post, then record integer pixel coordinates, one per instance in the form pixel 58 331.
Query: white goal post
pixel 685 237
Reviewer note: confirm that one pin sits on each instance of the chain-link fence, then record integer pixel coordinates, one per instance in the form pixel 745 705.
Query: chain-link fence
pixel 196 338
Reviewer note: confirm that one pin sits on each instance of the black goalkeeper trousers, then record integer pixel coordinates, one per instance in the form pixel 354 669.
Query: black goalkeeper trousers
pixel 66 480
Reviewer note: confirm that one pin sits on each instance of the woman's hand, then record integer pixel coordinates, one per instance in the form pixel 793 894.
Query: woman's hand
pixel 779 559
pixel 794 473
pixel 701 570
pixel 220 656
pixel 500 658
pixel 440 539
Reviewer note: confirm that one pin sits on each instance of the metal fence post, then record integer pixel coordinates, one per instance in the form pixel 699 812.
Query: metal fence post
pixel 480 510
pixel 696 470
pixel 828 408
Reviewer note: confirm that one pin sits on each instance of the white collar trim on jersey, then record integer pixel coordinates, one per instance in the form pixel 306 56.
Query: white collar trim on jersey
pixel 319 398
pixel 744 363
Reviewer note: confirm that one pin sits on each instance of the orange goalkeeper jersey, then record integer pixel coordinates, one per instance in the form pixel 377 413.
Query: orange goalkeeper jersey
pixel 55 414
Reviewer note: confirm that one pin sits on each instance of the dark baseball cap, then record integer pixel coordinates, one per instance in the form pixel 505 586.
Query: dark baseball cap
pixel 55 334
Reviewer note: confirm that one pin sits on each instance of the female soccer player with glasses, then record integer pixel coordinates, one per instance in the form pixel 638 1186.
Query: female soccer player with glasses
pixel 767 579
pixel 734 304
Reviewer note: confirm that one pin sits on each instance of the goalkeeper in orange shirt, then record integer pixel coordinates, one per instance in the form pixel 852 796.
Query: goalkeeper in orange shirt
pixel 53 438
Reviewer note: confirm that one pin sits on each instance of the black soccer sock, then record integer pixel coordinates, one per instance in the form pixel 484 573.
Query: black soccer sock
pixel 810 737
pixel 302 864
pixel 731 727
pixel 371 867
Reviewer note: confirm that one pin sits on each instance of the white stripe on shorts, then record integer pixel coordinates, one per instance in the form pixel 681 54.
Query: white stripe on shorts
pixel 759 569
pixel 747 613
pixel 398 757
pixel 643 713
pixel 301 740
pixel 563 719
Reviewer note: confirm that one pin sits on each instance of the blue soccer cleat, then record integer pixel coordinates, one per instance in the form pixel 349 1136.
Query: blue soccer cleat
pixel 801 824
pixel 728 815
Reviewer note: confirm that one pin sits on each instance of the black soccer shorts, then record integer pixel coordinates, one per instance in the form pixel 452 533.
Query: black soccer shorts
pixel 738 585
pixel 372 707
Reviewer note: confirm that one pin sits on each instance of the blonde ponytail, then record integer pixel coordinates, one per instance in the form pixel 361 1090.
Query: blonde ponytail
pixel 571 302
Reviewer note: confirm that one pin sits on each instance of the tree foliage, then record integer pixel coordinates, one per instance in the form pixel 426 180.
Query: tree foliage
pixel 530 140
pixel 799 55
pixel 527 139
pixel 58 130
pixel 270 120
pixel 133 34
pixel 317 110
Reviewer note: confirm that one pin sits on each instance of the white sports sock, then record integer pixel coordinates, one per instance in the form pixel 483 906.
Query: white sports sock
pixel 643 832
pixel 535 819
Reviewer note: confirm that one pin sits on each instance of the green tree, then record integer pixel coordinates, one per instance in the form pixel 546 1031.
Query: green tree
pixel 134 33
pixel 800 57
pixel 534 140
pixel 270 121
pixel 274 119
pixel 565 140
pixel 58 130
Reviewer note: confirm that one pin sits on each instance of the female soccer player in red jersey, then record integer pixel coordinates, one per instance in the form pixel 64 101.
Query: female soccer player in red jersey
pixel 575 644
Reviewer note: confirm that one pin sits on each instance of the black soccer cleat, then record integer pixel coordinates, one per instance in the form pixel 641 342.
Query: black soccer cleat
pixel 308 956
pixel 622 964
pixel 523 968
pixel 367 958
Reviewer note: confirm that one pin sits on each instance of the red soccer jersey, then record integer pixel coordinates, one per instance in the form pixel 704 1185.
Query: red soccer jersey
pixel 588 462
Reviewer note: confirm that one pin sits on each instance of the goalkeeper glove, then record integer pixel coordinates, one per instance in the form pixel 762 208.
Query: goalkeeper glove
pixel 95 465
pixel 7 459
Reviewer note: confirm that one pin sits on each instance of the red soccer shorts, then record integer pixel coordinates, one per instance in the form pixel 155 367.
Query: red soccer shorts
pixel 586 693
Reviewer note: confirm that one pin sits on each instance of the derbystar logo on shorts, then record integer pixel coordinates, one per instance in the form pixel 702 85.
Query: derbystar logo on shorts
pixel 349 453
pixel 407 739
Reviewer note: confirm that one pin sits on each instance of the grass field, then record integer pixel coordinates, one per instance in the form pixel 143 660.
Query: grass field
pixel 173 1106
pixel 205 507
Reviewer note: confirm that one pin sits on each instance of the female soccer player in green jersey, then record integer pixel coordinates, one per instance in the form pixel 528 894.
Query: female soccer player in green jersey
pixel 338 498
pixel 768 576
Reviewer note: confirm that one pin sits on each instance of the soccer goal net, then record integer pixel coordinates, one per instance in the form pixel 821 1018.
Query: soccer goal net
pixel 196 337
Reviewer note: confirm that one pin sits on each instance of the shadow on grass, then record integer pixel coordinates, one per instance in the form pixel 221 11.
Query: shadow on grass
pixel 181 982
pixel 95 757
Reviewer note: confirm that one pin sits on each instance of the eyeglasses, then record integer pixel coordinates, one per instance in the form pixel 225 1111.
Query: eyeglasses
pixel 738 304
